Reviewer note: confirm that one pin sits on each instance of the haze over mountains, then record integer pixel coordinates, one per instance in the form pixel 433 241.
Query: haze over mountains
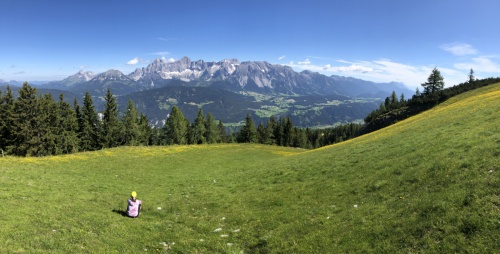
pixel 258 88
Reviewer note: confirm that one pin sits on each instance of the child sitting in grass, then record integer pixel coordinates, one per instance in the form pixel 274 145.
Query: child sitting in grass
pixel 134 206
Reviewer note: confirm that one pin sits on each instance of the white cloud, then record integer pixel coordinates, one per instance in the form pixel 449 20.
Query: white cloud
pixel 352 68
pixel 382 70
pixel 307 61
pixel 322 58
pixel 133 61
pixel 170 60
pixel 281 58
pixel 480 64
pixel 459 49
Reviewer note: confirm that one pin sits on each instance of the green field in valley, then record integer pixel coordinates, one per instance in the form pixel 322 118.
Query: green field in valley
pixel 429 184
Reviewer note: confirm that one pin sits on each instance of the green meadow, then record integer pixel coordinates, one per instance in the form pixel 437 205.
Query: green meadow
pixel 429 184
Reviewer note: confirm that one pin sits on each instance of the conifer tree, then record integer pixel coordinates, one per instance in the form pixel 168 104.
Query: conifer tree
pixel 300 138
pixel 471 77
pixel 79 120
pixel 44 142
pixel 394 100
pixel 198 129
pixel 288 132
pixel 270 133
pixel 212 132
pixel 417 92
pixel 261 134
pixel 176 127
pixel 157 136
pixel 6 119
pixel 145 130
pixel 67 136
pixel 110 122
pixel 24 126
pixel 278 132
pixel 434 82
pixel 223 138
pixel 130 129
pixel 90 126
pixel 248 134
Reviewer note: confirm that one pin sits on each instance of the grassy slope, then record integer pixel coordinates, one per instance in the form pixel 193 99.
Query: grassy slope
pixel 427 184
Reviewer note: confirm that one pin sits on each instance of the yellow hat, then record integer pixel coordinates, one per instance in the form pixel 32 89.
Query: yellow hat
pixel 134 194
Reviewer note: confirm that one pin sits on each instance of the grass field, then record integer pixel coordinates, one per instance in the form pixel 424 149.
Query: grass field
pixel 429 184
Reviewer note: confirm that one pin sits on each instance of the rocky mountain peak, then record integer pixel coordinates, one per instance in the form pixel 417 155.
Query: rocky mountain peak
pixel 85 75
pixel 111 75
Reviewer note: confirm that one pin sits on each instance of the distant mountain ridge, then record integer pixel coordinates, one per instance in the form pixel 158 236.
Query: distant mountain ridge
pixel 258 76
pixel 230 89
pixel 230 74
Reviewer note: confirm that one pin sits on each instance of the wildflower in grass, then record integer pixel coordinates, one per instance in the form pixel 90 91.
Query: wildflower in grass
pixel 224 236
pixel 236 230
pixel 355 206
pixel 158 208
pixel 218 230
pixel 223 218
pixel 229 244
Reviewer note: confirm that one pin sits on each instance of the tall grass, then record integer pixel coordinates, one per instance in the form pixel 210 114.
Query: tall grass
pixel 427 184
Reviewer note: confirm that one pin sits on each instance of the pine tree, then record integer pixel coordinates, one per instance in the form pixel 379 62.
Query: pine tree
pixel 434 82
pixel 67 136
pixel 417 92
pixel 261 134
pixel 110 122
pixel 270 133
pixel 212 132
pixel 24 113
pixel 288 132
pixel 44 142
pixel 176 128
pixel 394 100
pixel 300 138
pixel 198 129
pixel 223 138
pixel 278 132
pixel 90 126
pixel 6 119
pixel 248 134
pixel 471 77
pixel 130 130
pixel 145 130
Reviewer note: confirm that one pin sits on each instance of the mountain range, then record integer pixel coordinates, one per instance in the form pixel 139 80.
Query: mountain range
pixel 230 89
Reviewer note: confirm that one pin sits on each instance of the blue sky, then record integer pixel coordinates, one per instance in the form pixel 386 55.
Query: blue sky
pixel 386 40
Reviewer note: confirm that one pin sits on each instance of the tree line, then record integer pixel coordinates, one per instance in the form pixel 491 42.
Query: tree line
pixel 37 125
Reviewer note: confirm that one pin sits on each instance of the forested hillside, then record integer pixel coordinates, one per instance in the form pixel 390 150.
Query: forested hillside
pixel 38 125
pixel 33 124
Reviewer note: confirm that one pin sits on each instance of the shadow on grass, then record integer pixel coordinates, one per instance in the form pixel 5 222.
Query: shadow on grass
pixel 120 212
